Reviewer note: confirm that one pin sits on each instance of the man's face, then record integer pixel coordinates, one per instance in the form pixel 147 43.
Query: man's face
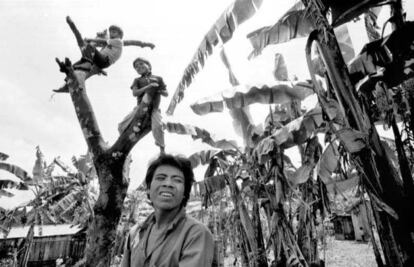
pixel 167 188
pixel 141 67
pixel 113 34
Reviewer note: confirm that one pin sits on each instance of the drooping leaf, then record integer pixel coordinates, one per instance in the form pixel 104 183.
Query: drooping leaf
pixel 5 193
pixel 394 53
pixel 198 133
pixel 294 133
pixel 311 157
pixel 298 131
pixel 62 165
pixel 221 32
pixel 3 156
pixel 370 19
pixel 283 92
pixel 334 185
pixel 390 150
pixel 84 165
pixel 301 175
pixel 212 184
pixel 344 11
pixel 278 116
pixel 8 180
pixel 245 95
pixel 328 162
pixel 16 170
pixel 295 24
pixel 208 105
pixel 242 121
pixel 280 72
pixel 352 140
pixel 65 203
pixel 263 148
pixel 202 158
pixel 345 43
pixel 384 206
pixel 232 77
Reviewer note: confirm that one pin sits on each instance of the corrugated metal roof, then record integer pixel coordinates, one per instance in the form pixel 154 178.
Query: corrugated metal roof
pixel 47 230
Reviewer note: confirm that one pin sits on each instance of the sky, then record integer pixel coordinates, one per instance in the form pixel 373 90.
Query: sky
pixel 35 32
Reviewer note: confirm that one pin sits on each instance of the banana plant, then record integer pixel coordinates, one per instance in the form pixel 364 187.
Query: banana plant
pixel 220 32
pixel 295 23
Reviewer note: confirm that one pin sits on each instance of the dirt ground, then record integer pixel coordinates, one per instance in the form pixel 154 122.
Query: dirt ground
pixel 339 253
pixel 345 253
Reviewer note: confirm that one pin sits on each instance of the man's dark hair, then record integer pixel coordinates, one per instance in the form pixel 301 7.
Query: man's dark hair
pixel 179 162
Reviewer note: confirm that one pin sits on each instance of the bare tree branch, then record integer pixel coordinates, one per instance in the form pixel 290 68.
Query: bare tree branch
pixel 83 108
pixel 136 130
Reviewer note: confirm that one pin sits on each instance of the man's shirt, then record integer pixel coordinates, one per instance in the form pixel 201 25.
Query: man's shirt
pixel 185 243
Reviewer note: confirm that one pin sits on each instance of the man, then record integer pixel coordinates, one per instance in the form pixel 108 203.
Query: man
pixel 147 88
pixel 169 237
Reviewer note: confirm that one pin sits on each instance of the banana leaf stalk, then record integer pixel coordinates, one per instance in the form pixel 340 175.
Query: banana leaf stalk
pixel 249 243
pixel 372 161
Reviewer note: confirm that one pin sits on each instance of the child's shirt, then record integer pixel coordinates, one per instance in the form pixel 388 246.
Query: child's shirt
pixel 154 94
pixel 112 50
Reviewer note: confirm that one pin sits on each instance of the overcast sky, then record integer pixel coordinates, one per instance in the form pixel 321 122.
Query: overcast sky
pixel 35 32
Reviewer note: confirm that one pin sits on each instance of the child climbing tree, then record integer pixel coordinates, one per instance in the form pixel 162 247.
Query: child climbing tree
pixel 108 160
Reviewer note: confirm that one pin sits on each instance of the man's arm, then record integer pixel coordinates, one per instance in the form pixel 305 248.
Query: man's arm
pixel 198 249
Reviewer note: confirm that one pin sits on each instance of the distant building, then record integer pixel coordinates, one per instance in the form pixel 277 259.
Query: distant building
pixel 344 230
pixel 50 243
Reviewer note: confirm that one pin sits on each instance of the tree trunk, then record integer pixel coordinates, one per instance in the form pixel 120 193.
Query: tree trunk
pixel 109 163
pixel 107 210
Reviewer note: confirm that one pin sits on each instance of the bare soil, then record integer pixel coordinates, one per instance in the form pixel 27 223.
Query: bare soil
pixel 347 253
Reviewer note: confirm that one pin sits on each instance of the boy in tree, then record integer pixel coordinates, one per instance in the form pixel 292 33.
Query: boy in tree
pixel 111 50
pixel 93 61
pixel 147 88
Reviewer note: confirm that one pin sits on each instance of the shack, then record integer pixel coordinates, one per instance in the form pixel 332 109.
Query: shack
pixel 50 242
pixel 359 215
pixel 344 229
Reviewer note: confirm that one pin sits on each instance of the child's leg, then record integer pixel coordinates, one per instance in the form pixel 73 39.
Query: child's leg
pixel 127 120
pixel 156 128
pixel 100 60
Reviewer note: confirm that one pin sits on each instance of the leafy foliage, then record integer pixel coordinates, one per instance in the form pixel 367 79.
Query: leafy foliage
pixel 199 133
pixel 221 32
pixel 244 95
